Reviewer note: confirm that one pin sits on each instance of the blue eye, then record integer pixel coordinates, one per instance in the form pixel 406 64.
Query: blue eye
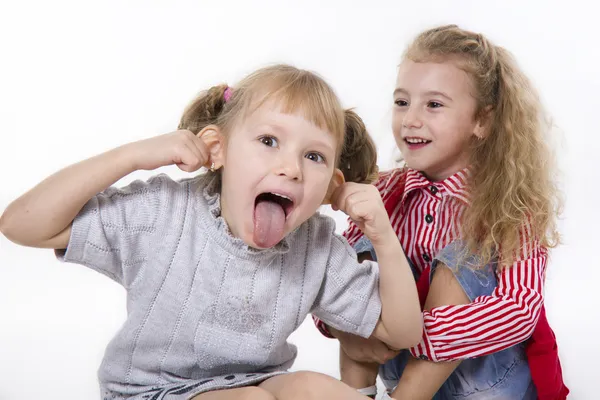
pixel 268 141
pixel 316 157
pixel 401 103
pixel 434 104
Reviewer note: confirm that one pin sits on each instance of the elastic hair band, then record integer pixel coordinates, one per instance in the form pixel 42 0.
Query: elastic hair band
pixel 227 94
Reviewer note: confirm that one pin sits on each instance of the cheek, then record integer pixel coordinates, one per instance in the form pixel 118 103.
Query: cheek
pixel 397 118
pixel 318 186
pixel 463 125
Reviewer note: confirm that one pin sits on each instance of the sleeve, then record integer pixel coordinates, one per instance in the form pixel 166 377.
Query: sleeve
pixel 360 246
pixel 489 323
pixel 349 296
pixel 112 232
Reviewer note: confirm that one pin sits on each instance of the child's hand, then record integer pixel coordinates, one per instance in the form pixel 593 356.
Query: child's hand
pixel 363 204
pixel 181 148
pixel 363 350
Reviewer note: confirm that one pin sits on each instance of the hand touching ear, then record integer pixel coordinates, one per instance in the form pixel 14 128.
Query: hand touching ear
pixel 363 204
pixel 181 148
pixel 214 141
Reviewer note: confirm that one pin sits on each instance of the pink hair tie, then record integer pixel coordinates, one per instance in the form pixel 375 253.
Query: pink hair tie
pixel 227 94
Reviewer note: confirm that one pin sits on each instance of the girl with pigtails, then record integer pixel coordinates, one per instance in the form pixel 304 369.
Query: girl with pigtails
pixel 222 267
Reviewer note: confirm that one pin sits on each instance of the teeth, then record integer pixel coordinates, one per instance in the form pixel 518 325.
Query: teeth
pixel 416 140
pixel 282 196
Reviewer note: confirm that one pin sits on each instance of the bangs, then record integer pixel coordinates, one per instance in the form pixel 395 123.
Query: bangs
pixel 301 93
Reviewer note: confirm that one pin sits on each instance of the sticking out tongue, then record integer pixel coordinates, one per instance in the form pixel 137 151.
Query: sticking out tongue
pixel 269 219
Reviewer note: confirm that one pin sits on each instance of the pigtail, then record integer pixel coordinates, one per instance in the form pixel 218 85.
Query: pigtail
pixel 358 160
pixel 204 110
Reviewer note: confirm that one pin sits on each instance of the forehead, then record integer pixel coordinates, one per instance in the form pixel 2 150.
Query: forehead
pixel 433 76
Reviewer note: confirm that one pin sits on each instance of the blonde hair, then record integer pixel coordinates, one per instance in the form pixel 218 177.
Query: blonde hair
pixel 294 90
pixel 513 192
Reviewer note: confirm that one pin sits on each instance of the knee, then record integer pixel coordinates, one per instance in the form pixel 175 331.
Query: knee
pixel 254 393
pixel 308 385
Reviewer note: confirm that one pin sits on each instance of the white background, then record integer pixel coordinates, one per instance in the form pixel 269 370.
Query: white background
pixel 80 78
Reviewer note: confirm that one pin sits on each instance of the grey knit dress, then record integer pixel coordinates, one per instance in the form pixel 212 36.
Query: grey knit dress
pixel 205 311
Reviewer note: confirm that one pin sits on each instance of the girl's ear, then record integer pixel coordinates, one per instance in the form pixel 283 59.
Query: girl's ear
pixel 337 180
pixel 214 140
pixel 484 122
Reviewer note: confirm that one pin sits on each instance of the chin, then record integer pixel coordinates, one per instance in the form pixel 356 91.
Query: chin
pixel 419 166
pixel 247 237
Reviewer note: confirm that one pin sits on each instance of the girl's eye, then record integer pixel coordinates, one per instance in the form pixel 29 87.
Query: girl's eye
pixel 268 141
pixel 316 157
pixel 434 104
pixel 401 103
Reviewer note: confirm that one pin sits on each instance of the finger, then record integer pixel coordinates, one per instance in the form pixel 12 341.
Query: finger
pixel 203 151
pixel 343 194
pixel 197 149
pixel 358 207
pixel 381 355
pixel 379 358
pixel 190 159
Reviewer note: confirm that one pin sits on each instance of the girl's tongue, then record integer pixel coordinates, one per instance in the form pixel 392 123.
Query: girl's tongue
pixel 269 220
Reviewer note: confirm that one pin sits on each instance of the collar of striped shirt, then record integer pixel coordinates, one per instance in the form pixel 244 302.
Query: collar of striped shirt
pixel 455 185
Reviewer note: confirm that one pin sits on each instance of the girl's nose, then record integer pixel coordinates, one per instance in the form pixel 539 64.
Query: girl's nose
pixel 290 167
pixel 412 119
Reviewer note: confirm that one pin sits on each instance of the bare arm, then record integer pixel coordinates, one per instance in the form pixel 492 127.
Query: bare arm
pixel 421 379
pixel 42 217
pixel 401 324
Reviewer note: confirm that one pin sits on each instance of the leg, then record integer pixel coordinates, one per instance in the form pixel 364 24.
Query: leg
pixel 421 379
pixel 309 386
pixel 245 393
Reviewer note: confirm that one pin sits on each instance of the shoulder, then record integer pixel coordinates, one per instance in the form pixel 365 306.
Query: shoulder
pixel 154 184
pixel 156 191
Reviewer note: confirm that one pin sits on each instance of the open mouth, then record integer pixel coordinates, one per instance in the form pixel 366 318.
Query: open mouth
pixel 270 215
pixel 285 202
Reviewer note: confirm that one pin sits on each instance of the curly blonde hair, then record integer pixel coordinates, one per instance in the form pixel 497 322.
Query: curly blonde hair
pixel 515 200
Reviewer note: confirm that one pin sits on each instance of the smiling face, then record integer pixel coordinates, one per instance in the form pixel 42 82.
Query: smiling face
pixel 434 117
pixel 277 169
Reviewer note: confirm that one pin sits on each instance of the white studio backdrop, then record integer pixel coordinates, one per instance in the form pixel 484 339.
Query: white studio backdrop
pixel 79 78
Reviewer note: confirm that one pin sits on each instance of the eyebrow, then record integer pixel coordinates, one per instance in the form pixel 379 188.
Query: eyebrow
pixel 429 92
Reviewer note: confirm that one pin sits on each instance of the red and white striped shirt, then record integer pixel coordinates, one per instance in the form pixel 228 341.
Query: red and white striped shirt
pixel 424 214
